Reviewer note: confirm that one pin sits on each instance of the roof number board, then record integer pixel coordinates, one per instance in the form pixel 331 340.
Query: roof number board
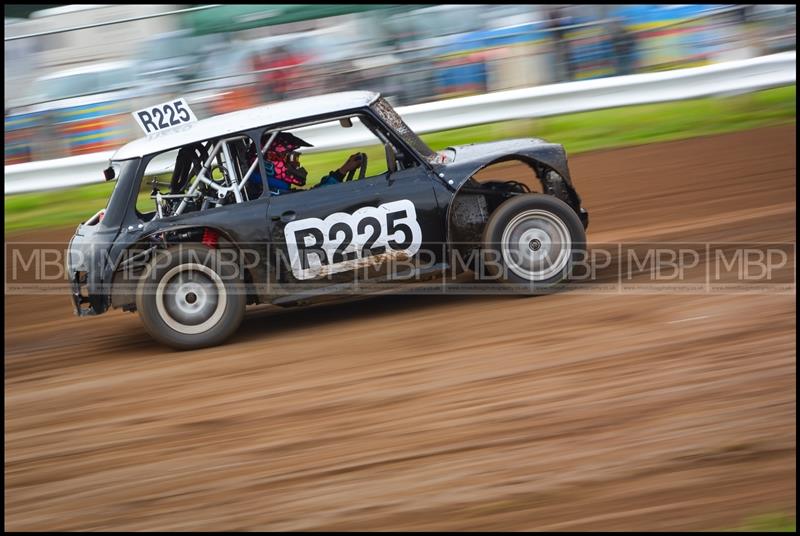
pixel 163 116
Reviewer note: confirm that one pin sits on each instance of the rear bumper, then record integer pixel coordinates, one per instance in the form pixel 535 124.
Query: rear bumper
pixel 86 280
pixel 85 303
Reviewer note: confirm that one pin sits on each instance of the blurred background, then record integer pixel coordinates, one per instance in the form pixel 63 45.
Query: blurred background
pixel 70 92
pixel 660 409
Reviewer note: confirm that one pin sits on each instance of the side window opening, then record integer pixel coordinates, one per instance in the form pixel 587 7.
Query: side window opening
pixel 296 161
pixel 199 176
pixel 223 171
pixel 156 175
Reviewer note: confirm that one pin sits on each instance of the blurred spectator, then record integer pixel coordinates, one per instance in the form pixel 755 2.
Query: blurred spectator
pixel 624 44
pixel 559 18
pixel 277 84
pixel 745 14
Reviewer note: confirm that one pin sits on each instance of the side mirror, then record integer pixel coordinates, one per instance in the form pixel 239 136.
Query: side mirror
pixel 346 123
pixel 109 173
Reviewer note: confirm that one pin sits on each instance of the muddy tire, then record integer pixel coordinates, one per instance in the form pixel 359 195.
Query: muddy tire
pixel 188 299
pixel 532 242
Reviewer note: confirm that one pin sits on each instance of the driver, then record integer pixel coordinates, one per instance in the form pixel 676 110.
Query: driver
pixel 284 170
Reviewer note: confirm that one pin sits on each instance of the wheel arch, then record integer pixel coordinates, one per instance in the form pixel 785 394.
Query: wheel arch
pixel 467 215
pixel 123 293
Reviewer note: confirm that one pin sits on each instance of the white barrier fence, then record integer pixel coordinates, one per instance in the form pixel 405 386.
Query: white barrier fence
pixel 724 78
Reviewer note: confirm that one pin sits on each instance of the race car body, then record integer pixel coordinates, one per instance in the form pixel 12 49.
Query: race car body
pixel 410 215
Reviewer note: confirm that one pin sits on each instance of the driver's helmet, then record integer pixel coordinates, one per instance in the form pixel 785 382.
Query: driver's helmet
pixel 283 162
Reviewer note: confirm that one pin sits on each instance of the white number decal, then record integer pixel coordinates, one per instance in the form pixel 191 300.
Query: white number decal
pixel 166 115
pixel 344 241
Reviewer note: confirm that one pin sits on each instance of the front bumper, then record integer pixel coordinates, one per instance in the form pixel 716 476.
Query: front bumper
pixel 584 216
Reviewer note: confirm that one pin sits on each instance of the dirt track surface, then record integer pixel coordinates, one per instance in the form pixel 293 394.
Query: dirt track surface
pixel 574 411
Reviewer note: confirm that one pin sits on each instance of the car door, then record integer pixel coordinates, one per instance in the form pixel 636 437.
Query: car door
pixel 360 230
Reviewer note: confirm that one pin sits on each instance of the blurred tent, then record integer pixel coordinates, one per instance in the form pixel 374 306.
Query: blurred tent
pixel 22 11
pixel 236 17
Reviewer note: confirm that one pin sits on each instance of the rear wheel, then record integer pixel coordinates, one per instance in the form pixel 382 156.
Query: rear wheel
pixel 189 299
pixel 533 240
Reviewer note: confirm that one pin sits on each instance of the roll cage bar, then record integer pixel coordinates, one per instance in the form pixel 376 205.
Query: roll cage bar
pixel 234 184
pixel 230 174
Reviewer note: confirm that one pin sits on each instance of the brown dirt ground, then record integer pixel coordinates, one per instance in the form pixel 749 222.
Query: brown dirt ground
pixel 576 411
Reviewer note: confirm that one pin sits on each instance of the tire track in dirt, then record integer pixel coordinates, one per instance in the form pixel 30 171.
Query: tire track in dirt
pixel 576 411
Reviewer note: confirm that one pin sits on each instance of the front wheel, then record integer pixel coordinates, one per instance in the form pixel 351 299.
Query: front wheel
pixel 533 240
pixel 189 299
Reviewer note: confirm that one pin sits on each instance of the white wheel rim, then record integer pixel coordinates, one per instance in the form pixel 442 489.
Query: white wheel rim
pixel 188 303
pixel 536 245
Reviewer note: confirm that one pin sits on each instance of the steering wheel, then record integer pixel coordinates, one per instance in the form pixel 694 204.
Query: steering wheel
pixel 362 170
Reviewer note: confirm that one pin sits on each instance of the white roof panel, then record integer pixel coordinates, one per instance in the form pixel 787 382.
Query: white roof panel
pixel 233 122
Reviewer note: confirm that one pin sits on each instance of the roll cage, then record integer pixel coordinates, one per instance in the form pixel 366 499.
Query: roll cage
pixel 196 162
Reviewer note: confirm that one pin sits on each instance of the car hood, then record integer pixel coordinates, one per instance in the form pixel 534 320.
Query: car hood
pixel 465 160
pixel 477 151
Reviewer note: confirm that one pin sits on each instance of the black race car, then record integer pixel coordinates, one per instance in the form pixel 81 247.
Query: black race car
pixel 225 233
